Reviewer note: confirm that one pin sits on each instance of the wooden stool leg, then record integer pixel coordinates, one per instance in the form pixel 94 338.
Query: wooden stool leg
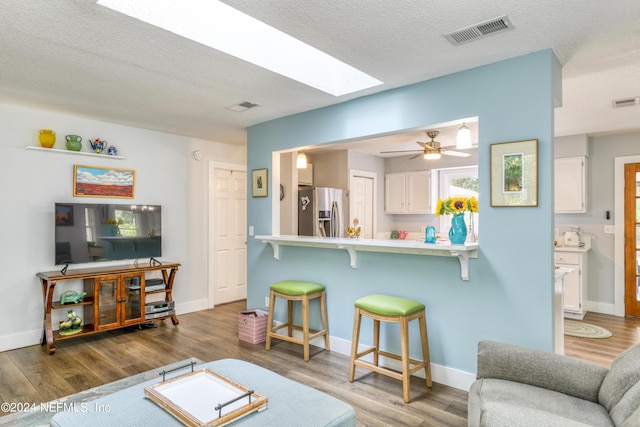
pixel 404 340
pixel 325 321
pixel 305 327
pixel 290 317
pixel 355 337
pixel 272 303
pixel 424 338
pixel 376 341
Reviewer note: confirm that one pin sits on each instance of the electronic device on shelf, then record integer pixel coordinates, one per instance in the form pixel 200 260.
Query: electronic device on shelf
pixel 152 285
pixel 96 232
pixel 155 310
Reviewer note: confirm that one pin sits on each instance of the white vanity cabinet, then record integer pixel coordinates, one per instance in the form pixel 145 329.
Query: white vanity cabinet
pixel 570 189
pixel 575 282
pixel 407 192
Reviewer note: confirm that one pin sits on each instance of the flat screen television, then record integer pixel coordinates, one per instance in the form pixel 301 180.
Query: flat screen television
pixel 95 232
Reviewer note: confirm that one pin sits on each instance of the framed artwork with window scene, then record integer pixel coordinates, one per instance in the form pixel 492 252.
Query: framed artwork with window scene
pixel 259 183
pixel 514 174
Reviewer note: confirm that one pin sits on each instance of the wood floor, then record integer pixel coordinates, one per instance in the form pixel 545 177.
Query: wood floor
pixel 31 375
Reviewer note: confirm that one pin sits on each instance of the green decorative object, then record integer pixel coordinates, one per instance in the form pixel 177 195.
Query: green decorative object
pixel 74 142
pixel 72 297
pixel 72 325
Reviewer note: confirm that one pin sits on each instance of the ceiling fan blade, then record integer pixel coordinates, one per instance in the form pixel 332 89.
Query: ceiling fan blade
pixel 400 151
pixel 455 153
pixel 425 145
pixel 416 156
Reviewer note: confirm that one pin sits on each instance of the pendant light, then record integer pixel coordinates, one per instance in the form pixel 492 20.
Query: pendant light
pixel 463 140
pixel 301 161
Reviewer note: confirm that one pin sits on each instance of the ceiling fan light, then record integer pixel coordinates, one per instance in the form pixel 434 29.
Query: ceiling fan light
pixel 301 161
pixel 432 156
pixel 463 140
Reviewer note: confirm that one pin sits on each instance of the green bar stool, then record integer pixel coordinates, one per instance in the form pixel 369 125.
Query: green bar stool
pixel 384 308
pixel 293 290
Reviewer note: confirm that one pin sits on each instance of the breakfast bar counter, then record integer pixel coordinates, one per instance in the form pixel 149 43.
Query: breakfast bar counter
pixel 463 252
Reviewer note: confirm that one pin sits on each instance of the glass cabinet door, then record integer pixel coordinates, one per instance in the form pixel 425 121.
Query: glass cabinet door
pixel 133 289
pixel 107 301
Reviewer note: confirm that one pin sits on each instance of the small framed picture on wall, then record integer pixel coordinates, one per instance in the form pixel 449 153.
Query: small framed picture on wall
pixel 260 182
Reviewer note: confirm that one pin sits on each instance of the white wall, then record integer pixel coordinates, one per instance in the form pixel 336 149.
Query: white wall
pixel 166 174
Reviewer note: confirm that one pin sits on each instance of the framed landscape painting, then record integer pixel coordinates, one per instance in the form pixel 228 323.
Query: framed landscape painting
pixel 90 181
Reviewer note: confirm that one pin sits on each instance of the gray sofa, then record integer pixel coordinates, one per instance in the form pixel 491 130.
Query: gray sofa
pixel 517 386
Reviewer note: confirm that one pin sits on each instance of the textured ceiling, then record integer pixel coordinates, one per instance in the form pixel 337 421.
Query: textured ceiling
pixel 76 57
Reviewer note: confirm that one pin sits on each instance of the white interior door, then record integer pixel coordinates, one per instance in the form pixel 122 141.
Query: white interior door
pixel 228 218
pixel 361 197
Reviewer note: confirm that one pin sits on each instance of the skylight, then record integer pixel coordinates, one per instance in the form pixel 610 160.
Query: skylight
pixel 226 29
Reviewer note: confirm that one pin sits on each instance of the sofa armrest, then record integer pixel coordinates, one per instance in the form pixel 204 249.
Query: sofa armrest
pixel 541 369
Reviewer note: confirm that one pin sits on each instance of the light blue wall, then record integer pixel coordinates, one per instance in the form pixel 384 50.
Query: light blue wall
pixel 510 294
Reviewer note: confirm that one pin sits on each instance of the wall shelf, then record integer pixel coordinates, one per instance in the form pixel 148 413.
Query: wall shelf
pixel 352 246
pixel 81 153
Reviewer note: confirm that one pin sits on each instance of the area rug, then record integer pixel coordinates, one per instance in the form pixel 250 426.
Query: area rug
pixel 41 416
pixel 584 330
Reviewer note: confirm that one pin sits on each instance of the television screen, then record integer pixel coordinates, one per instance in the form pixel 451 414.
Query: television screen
pixel 92 232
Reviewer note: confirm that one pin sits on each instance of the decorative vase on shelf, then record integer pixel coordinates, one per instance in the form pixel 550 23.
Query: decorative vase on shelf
pixel 74 142
pixel 458 230
pixel 47 138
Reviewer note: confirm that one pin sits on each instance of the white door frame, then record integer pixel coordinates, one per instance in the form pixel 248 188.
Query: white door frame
pixel 213 165
pixel 373 176
pixel 618 245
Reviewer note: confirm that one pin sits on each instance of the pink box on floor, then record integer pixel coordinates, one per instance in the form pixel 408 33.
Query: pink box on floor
pixel 252 326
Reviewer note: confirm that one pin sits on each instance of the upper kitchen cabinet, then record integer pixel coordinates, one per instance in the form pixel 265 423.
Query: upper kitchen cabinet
pixel 407 192
pixel 305 176
pixel 570 185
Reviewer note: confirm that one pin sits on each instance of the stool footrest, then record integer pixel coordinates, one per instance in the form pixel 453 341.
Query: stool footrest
pixel 378 369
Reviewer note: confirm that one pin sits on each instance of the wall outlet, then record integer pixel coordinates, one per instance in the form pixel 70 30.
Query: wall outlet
pixel 609 229
pixel 266 302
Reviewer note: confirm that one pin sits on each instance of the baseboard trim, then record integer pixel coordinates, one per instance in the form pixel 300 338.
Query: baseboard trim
pixel 192 306
pixel 22 339
pixel 601 307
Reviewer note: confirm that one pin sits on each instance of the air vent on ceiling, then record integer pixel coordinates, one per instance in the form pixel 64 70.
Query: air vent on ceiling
pixel 243 106
pixel 480 30
pixel 626 102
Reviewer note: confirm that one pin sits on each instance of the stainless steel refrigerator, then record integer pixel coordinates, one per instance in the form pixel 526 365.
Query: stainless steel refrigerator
pixel 322 211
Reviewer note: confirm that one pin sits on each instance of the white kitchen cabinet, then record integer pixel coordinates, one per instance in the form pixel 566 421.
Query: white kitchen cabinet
pixel 575 282
pixel 407 192
pixel 570 189
pixel 305 176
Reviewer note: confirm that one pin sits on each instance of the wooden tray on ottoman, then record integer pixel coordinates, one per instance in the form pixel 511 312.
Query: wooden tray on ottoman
pixel 205 398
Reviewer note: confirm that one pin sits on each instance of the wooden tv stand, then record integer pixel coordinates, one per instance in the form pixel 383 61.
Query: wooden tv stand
pixel 115 298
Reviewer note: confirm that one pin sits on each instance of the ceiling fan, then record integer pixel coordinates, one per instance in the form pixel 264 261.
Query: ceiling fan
pixel 431 150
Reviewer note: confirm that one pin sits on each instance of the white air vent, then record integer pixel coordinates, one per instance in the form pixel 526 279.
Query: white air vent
pixel 243 106
pixel 627 102
pixel 478 31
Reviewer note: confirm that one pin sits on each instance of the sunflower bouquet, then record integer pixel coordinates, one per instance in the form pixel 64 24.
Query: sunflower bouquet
pixel 456 205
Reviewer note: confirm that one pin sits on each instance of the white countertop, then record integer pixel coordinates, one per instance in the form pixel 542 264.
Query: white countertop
pixel 463 252
pixel 562 271
pixel 585 246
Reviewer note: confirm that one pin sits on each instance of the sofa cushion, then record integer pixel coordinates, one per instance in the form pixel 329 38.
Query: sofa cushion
pixel 622 376
pixel 499 403
pixel 540 368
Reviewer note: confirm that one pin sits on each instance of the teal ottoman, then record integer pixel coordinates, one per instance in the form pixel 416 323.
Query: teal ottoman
pixel 290 403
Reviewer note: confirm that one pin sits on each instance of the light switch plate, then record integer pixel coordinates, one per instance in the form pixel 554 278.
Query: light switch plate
pixel 251 230
pixel 609 229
